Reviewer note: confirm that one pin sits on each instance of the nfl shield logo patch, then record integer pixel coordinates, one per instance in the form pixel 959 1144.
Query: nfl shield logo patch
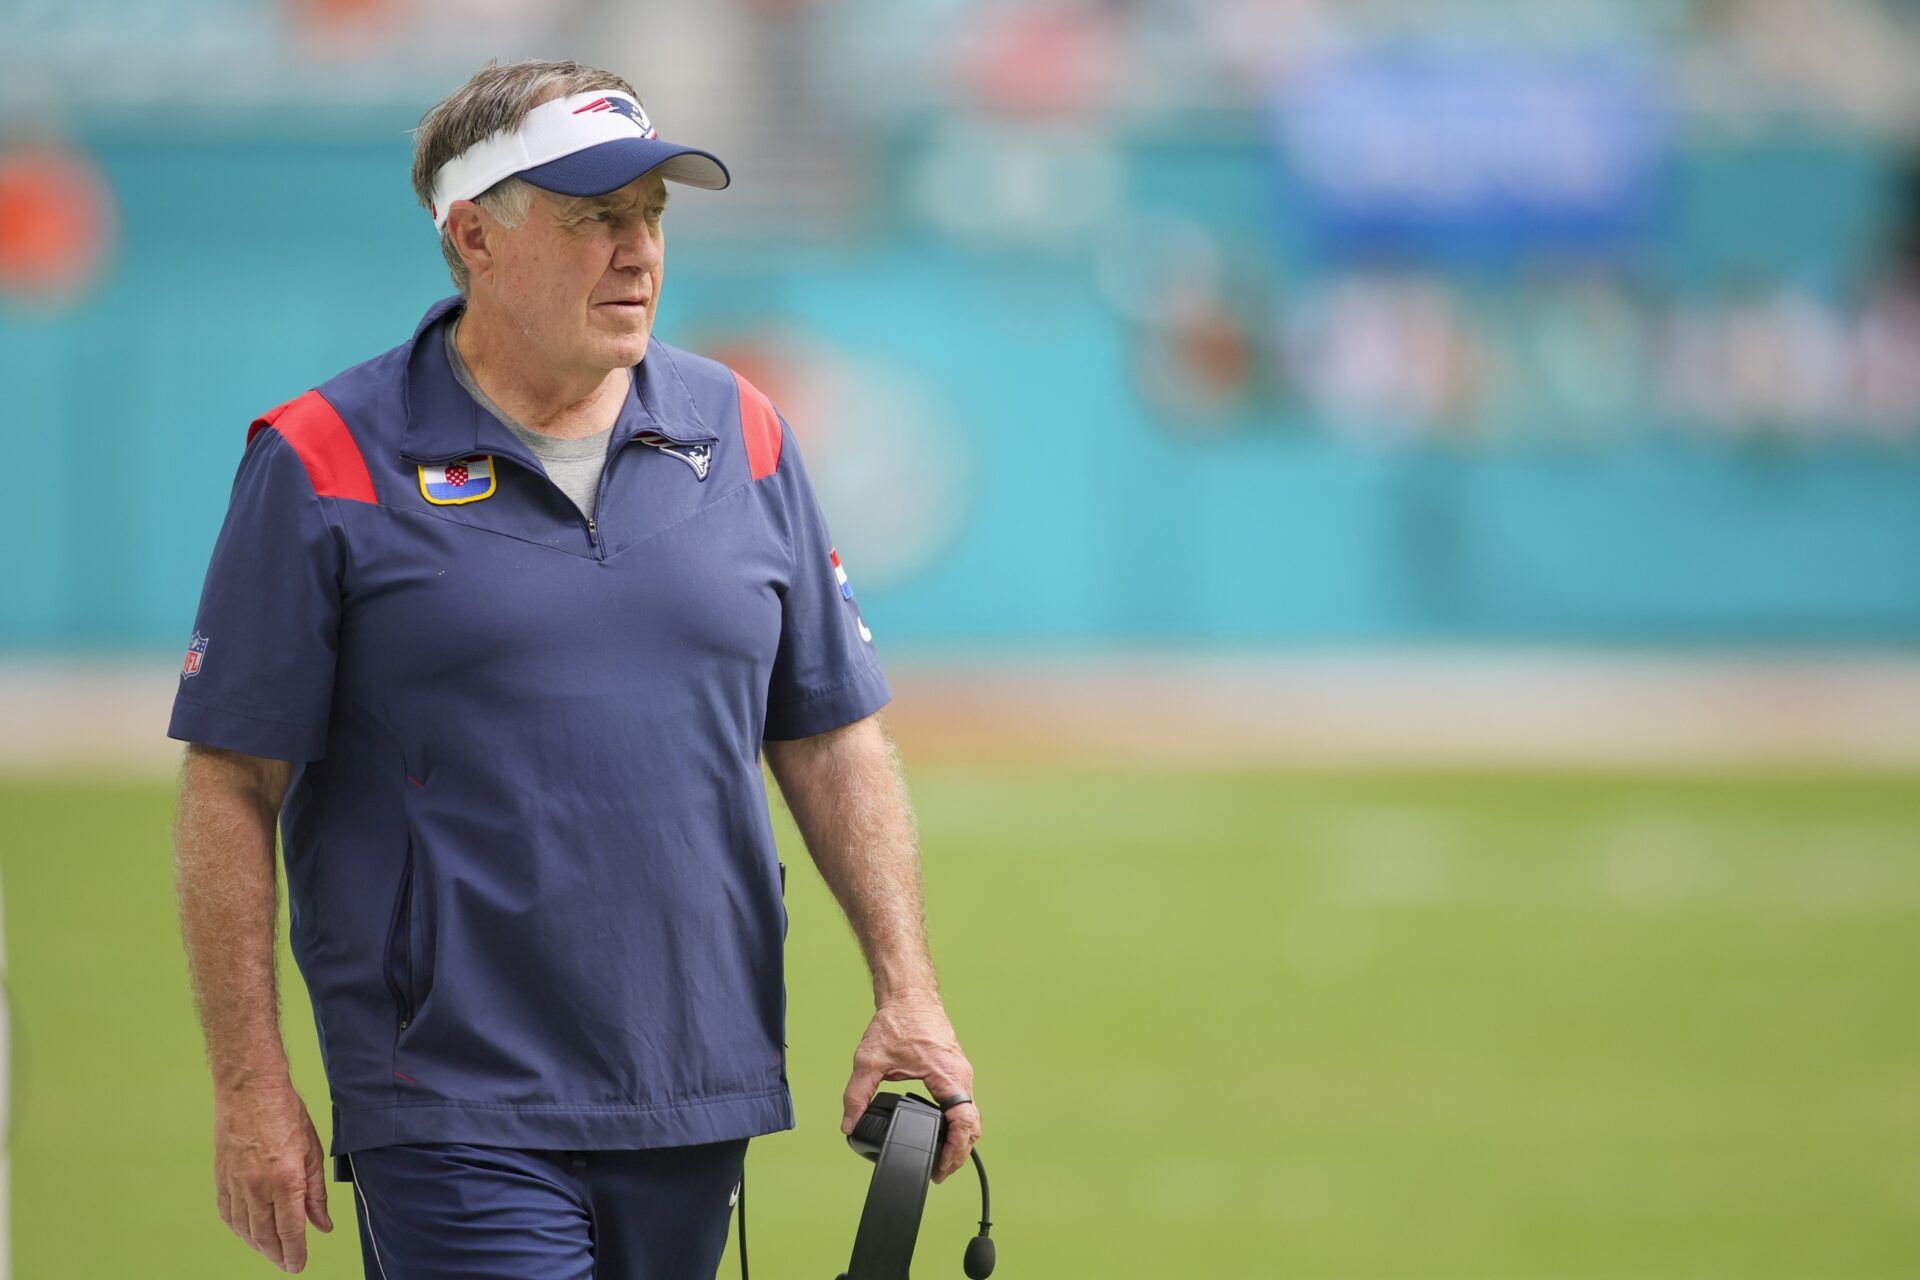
pixel 467 479
pixel 196 653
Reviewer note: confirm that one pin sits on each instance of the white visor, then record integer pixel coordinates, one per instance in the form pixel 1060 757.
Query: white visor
pixel 583 145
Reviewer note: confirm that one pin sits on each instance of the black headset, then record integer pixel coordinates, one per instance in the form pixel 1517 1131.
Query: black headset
pixel 902 1134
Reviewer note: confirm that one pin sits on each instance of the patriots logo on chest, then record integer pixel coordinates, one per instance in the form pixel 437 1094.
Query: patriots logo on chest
pixel 697 456
pixel 467 479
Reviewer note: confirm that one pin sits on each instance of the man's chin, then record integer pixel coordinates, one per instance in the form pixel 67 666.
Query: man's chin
pixel 624 349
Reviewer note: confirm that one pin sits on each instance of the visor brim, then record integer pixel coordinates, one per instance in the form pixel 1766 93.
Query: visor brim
pixel 609 166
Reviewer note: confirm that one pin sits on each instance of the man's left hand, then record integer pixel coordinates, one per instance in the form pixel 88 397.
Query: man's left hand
pixel 910 1038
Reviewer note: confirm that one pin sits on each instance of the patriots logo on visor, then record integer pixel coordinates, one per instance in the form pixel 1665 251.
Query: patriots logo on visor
pixel 468 479
pixel 620 106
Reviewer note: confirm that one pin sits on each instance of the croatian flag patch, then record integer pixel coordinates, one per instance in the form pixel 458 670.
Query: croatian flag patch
pixel 846 593
pixel 448 484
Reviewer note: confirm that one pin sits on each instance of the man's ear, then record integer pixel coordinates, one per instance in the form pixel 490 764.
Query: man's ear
pixel 472 231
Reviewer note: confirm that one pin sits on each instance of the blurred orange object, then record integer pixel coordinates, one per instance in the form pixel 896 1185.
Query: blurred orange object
pixel 56 222
pixel 349 29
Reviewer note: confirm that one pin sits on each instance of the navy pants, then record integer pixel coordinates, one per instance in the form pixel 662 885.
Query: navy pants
pixel 450 1211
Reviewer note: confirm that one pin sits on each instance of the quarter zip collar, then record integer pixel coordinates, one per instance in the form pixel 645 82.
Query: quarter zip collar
pixel 444 422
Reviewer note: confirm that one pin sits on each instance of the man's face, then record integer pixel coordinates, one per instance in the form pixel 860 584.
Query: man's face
pixel 580 276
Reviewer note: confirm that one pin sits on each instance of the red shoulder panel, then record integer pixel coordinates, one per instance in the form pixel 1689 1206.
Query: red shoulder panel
pixel 315 430
pixel 760 425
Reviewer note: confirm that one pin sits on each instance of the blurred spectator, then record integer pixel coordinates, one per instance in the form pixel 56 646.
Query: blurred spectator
pixel 1383 357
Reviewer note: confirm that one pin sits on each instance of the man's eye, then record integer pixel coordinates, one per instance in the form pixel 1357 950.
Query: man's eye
pixel 602 216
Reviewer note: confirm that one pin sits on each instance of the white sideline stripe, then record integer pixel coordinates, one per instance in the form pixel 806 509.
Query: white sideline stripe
pixel 366 1217
pixel 1491 707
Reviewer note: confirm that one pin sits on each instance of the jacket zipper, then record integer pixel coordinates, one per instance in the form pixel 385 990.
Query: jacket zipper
pixel 599 493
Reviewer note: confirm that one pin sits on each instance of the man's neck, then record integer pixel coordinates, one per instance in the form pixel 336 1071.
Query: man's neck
pixel 563 404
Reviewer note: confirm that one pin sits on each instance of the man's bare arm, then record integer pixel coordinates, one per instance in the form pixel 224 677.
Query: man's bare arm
pixel 849 800
pixel 228 895
pixel 269 1168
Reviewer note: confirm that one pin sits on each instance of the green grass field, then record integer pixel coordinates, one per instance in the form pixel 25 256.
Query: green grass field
pixel 1224 1027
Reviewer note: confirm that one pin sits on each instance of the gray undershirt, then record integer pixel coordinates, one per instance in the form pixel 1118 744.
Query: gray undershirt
pixel 574 465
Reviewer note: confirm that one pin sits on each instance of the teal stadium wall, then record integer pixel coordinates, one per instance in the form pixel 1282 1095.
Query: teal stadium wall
pixel 252 266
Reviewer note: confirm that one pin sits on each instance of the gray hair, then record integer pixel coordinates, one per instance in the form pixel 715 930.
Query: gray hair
pixel 496 99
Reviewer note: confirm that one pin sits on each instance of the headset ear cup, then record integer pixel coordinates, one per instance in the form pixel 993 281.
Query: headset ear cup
pixel 871 1129
pixel 897 1193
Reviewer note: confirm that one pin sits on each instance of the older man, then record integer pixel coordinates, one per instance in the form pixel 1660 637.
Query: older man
pixel 498 626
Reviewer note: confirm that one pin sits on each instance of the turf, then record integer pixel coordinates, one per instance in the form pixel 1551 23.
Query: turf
pixel 1224 1027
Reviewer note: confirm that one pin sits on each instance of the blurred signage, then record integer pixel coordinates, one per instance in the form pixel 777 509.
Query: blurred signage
pixel 1475 150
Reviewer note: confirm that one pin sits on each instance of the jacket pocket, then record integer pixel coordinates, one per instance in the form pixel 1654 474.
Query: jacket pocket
pixel 397 961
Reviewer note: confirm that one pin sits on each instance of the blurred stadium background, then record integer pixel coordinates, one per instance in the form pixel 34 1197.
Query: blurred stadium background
pixel 1394 525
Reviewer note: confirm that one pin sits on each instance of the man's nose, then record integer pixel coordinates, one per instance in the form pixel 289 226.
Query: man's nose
pixel 637 246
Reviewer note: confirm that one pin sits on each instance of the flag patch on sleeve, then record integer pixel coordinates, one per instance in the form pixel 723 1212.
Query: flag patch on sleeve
pixel 846 593
pixel 468 479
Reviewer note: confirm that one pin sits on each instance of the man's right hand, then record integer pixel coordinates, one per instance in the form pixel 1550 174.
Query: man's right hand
pixel 269 1172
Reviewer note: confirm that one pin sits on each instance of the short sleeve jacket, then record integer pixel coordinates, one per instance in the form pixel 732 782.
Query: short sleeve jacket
pixel 530 865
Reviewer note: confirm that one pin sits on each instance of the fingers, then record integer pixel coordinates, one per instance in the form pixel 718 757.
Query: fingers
pixel 963 1122
pixel 963 1130
pixel 269 1212
pixel 860 1088
pixel 224 1199
pixel 261 1232
pixel 290 1223
pixel 317 1208
pixel 316 1199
